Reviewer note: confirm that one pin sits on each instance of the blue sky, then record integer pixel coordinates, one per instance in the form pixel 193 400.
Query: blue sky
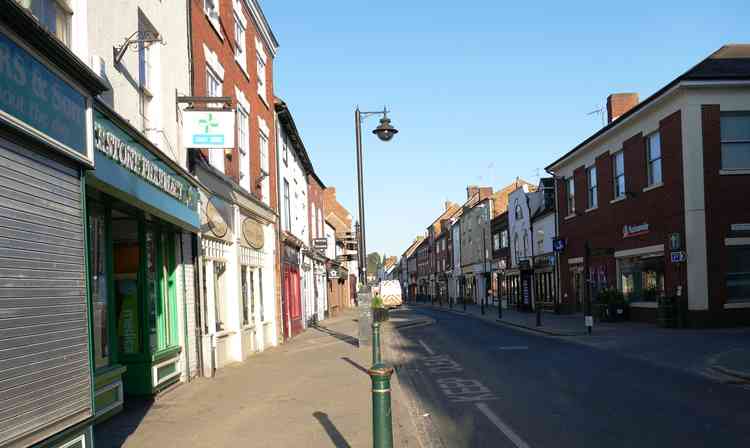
pixel 481 91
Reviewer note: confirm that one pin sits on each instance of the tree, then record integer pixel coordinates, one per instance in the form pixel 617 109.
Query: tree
pixel 373 262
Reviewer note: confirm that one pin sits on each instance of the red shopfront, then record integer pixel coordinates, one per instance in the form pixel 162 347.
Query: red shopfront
pixel 291 298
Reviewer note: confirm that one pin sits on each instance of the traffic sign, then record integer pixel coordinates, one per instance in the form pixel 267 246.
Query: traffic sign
pixel 678 256
pixel 558 244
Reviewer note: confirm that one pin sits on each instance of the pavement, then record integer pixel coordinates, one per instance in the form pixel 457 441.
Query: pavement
pixel 722 354
pixel 312 391
pixel 474 383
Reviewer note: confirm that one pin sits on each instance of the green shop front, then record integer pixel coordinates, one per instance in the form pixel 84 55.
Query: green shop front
pixel 142 215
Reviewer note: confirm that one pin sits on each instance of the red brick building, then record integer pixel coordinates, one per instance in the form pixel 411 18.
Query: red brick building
pixel 665 178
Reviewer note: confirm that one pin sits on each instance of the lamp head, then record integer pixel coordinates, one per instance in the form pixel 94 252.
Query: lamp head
pixel 385 131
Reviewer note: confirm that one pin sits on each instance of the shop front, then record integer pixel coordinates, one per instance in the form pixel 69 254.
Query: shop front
pixel 545 281
pixel 45 128
pixel 142 214
pixel 498 282
pixel 291 297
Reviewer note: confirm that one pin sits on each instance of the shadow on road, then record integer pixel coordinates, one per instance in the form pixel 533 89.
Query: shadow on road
pixel 336 437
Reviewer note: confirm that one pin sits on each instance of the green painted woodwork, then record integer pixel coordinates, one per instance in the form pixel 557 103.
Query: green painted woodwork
pixel 108 375
pixel 162 355
pixel 107 398
pixel 87 285
pixel 166 370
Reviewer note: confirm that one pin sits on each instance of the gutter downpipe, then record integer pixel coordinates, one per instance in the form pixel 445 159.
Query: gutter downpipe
pixel 557 254
pixel 184 310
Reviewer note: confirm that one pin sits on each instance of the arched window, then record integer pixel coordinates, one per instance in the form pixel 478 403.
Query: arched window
pixel 519 211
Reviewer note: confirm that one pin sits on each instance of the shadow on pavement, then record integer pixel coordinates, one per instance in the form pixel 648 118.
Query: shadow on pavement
pixel 338 440
pixel 356 365
pixel 114 432
pixel 340 336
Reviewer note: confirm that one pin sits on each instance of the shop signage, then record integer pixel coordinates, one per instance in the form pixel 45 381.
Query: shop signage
pixel 111 142
pixel 208 129
pixel 320 243
pixel 675 241
pixel 290 255
pixel 743 227
pixel 252 230
pixel 34 97
pixel 678 256
pixel 333 273
pixel 558 244
pixel 544 261
pixel 629 231
pixel 215 222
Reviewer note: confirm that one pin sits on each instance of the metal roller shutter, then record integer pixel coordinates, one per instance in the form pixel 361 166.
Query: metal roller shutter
pixel 44 357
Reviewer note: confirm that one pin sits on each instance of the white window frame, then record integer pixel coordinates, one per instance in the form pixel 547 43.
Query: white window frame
pixel 504 239
pixel 212 9
pixel 261 62
pixel 741 169
pixel 592 187
pixel 287 206
pixel 243 145
pixel 651 161
pixel 60 10
pixel 618 193
pixel 570 192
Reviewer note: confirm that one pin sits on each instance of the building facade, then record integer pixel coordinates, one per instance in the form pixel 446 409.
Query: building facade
pixel 316 223
pixel 543 232
pixel 232 59
pixel 500 256
pixel 658 197
pixel 46 147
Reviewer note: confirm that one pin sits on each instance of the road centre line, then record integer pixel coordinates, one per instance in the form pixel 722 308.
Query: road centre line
pixel 509 433
pixel 513 347
pixel 427 349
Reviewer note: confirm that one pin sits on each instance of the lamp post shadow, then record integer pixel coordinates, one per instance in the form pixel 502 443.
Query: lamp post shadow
pixel 336 437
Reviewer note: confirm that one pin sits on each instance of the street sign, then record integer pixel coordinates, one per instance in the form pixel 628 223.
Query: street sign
pixel 589 321
pixel 558 244
pixel 320 243
pixel 675 241
pixel 678 256
pixel 333 273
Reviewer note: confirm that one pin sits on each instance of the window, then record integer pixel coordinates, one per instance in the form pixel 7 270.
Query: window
pixel 239 41
pixel 211 8
pixel 261 66
pixel 525 243
pixel 504 239
pixel 592 188
pixel 735 140
pixel 653 158
pixel 519 210
pixel 263 153
pixel 246 291
pixel 213 83
pixel 285 152
pixel 618 168
pixel 496 241
pixel 219 294
pixel 99 285
pixel 516 247
pixel 738 273
pixel 54 16
pixel 243 142
pixel 145 56
pixel 571 199
pixel 287 207
pixel 260 294
pixel 642 278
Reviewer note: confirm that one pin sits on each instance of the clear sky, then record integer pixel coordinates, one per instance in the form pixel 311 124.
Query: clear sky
pixel 482 91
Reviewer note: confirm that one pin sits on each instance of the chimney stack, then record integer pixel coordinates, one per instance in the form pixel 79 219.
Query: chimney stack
pixel 620 103
pixel 471 190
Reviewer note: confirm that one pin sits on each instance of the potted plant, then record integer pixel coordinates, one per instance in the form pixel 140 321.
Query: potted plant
pixel 379 311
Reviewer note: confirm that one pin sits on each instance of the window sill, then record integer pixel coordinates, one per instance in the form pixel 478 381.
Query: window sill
pixel 734 172
pixel 591 209
pixel 621 198
pixel 215 24
pixel 653 187
pixel 737 305
pixel 652 305
pixel 569 217
pixel 223 334
pixel 243 69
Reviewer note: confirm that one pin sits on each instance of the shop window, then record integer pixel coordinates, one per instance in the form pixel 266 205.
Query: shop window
pixel 504 239
pixel 735 140
pixel 653 158
pixel 246 295
pixel 220 308
pixel 496 241
pixel 738 273
pixel 642 279
pixel 99 285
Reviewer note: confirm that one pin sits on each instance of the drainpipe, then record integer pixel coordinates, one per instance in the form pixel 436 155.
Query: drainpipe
pixel 184 311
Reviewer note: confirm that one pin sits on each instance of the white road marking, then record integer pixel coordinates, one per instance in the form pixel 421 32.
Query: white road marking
pixel 513 347
pixel 427 349
pixel 509 433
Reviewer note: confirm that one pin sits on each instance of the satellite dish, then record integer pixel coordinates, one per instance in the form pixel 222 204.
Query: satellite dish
pixel 215 221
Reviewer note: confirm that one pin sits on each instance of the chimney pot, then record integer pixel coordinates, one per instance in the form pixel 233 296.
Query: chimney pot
pixel 619 103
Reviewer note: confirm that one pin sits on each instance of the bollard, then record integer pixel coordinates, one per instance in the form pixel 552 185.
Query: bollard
pixel 499 308
pixel 382 425
pixel 375 342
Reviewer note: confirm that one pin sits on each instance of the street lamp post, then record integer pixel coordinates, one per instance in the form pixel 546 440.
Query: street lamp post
pixel 380 375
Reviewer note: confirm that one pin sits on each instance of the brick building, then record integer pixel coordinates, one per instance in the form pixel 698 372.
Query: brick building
pixel 665 178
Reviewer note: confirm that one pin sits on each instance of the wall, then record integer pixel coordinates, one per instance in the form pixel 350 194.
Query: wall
pixel 292 172
pixel 171 65
pixel 519 226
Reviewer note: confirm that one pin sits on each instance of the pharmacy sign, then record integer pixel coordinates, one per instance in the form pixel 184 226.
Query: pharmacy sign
pixel 208 129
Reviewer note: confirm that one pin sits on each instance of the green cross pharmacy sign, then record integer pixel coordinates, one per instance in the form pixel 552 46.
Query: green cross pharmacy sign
pixel 208 129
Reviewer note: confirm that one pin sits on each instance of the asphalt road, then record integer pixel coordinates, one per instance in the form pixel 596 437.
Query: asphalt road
pixel 474 384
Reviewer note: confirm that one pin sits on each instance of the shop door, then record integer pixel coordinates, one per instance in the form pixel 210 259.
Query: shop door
pixel 577 282
pixel 293 300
